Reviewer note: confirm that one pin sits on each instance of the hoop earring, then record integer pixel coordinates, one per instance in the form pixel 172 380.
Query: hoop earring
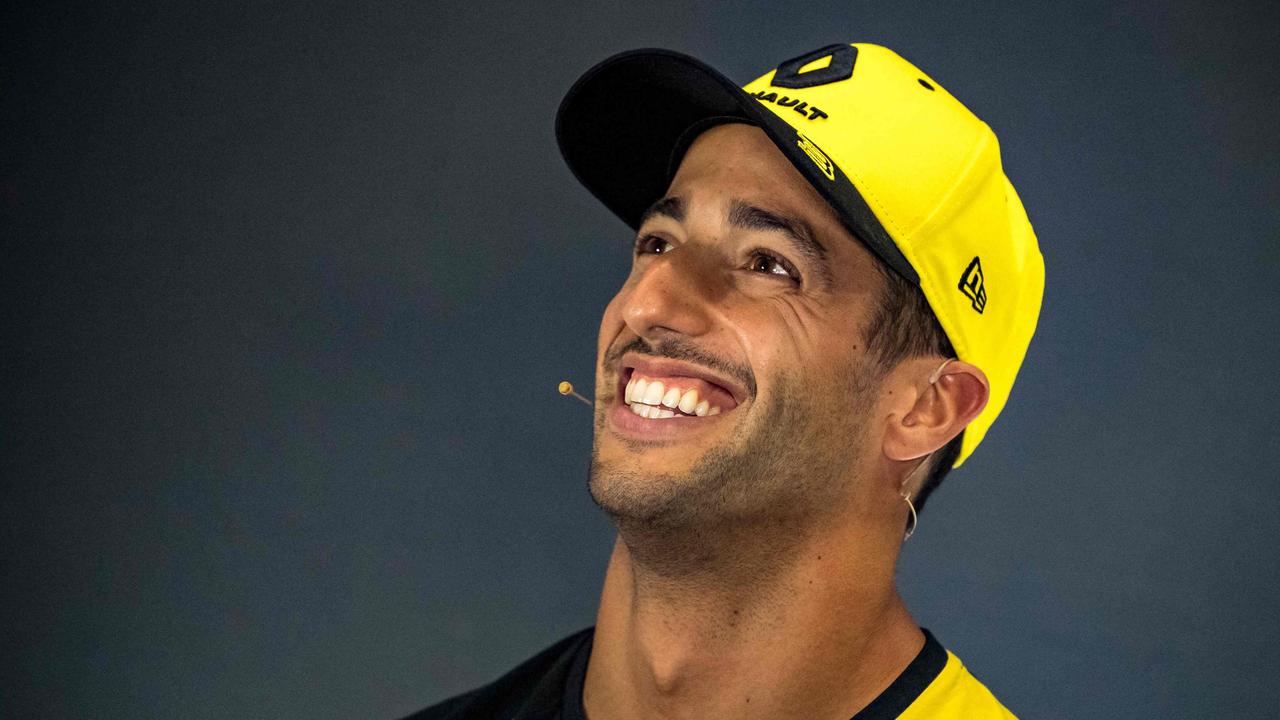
pixel 906 497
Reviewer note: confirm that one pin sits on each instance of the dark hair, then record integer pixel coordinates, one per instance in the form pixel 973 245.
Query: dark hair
pixel 903 326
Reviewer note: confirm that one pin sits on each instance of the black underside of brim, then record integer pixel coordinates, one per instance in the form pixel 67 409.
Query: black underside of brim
pixel 622 128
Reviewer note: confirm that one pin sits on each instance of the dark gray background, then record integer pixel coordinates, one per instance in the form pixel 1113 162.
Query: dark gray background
pixel 288 288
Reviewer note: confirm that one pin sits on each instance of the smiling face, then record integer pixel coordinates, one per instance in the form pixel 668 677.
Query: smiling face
pixel 732 384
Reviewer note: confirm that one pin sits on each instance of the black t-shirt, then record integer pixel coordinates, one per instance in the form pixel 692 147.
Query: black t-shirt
pixel 549 687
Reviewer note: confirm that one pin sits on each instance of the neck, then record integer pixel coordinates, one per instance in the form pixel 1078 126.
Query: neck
pixel 741 624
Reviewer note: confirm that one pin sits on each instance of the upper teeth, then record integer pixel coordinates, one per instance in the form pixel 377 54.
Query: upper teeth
pixel 646 399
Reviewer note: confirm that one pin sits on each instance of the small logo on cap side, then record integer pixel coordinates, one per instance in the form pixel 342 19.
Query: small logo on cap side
pixel 818 157
pixel 971 284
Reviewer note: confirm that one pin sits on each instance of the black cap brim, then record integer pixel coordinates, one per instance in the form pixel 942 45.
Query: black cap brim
pixel 624 124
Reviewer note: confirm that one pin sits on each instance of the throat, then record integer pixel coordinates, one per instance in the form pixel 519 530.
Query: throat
pixel 715 649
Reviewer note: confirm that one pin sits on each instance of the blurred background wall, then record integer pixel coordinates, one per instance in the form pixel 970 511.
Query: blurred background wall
pixel 287 289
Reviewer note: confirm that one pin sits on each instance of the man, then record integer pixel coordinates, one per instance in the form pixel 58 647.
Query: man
pixel 832 289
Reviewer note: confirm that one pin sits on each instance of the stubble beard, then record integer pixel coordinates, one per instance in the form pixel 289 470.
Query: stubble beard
pixel 746 501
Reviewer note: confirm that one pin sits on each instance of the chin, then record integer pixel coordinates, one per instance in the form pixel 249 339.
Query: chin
pixel 631 490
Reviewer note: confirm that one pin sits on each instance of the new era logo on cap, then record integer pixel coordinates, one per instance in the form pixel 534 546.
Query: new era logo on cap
pixel 972 286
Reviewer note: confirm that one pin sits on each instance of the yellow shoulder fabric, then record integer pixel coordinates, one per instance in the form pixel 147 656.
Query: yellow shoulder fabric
pixel 956 694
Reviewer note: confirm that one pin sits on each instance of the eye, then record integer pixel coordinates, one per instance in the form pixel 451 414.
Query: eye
pixel 765 261
pixel 646 244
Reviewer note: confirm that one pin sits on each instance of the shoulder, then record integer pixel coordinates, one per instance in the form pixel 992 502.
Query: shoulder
pixel 956 693
pixel 535 684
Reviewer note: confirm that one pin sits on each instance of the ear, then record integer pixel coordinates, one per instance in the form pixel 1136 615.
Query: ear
pixel 940 411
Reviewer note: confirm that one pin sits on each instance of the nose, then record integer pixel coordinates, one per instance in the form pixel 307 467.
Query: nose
pixel 671 295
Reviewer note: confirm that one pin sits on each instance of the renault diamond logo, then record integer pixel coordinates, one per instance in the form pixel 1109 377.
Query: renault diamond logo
pixel 972 286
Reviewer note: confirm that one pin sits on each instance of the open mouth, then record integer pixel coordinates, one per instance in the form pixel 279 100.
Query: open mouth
pixel 656 389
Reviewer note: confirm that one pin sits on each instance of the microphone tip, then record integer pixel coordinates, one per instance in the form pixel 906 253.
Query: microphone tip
pixel 565 387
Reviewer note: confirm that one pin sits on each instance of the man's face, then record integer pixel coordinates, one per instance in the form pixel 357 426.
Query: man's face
pixel 745 301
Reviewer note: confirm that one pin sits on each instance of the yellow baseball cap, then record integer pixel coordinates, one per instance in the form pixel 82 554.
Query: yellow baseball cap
pixel 911 171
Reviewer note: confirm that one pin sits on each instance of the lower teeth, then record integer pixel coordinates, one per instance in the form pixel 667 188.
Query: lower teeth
pixel 651 412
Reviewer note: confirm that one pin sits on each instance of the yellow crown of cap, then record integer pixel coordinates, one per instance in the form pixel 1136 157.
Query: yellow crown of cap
pixel 930 171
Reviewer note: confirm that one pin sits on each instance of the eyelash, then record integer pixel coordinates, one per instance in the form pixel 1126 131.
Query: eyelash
pixel 640 242
pixel 793 274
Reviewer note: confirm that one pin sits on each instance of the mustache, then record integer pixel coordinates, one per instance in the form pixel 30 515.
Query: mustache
pixel 676 349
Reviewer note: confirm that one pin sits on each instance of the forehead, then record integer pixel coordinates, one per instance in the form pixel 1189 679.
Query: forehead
pixel 744 155
pixel 737 162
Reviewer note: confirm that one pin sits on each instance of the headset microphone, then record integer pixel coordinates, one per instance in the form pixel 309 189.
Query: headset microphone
pixel 566 388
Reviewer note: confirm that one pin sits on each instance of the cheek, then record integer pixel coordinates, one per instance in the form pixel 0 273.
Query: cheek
pixel 778 335
pixel 811 351
pixel 610 324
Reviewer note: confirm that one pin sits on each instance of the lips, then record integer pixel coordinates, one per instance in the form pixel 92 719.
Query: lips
pixel 719 391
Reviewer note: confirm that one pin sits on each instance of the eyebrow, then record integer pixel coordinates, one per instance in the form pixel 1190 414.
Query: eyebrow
pixel 796 231
pixel 672 207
